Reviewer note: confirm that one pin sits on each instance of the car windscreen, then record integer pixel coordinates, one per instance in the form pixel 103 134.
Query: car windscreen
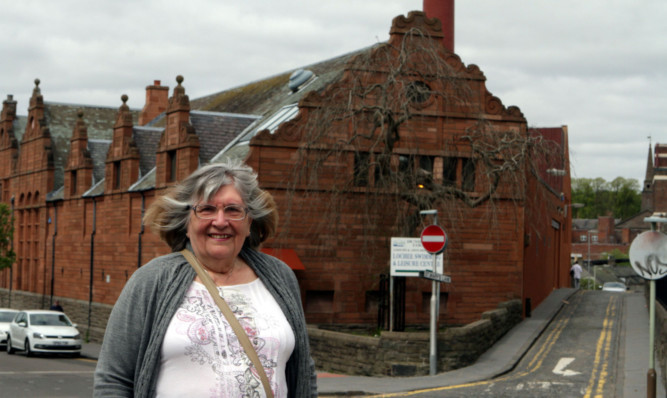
pixel 49 320
pixel 7 316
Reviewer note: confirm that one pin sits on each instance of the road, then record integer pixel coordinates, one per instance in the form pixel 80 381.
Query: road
pixel 45 376
pixel 576 356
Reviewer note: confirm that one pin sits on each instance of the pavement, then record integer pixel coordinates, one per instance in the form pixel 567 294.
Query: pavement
pixel 505 354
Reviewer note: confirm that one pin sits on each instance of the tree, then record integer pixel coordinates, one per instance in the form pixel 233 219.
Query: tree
pixel 380 117
pixel 619 198
pixel 7 255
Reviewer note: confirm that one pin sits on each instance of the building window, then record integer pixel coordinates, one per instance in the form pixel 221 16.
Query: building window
pixel 171 166
pixel 426 163
pixel 72 183
pixel 594 238
pixel 361 165
pixel 116 174
pixel 583 238
pixel 319 301
pixel 449 171
pixel 382 170
pixel 467 175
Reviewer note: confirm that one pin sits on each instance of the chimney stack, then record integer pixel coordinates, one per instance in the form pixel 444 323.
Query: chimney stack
pixel 444 11
pixel 157 99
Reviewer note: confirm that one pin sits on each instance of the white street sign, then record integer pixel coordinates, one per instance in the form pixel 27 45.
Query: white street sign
pixel 408 257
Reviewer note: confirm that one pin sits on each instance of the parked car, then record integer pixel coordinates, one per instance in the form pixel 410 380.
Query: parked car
pixel 43 331
pixel 614 287
pixel 6 317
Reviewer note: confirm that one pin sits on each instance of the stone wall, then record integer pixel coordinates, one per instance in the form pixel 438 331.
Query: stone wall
pixel 407 354
pixel 91 327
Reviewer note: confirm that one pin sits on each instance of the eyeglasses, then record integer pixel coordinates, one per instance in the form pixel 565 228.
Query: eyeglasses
pixel 210 212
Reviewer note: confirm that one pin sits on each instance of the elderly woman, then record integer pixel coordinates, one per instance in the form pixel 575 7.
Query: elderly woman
pixel 166 337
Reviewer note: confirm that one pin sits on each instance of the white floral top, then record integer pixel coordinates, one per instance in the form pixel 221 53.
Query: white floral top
pixel 201 356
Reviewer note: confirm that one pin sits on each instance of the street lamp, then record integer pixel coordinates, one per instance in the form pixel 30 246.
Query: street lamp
pixel 556 172
pixel 574 206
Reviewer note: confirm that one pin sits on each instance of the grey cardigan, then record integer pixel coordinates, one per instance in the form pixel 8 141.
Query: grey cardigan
pixel 130 357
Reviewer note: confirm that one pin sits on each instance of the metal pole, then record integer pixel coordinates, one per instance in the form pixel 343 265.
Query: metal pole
pixel 589 254
pixel 391 303
pixel 433 352
pixel 650 377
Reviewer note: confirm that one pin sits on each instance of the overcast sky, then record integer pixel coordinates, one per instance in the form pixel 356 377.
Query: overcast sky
pixel 597 66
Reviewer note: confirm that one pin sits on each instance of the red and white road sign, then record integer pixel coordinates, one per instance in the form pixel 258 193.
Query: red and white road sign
pixel 434 239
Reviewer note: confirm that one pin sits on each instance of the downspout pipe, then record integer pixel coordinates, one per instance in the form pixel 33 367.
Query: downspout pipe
pixel 141 231
pixel 53 250
pixel 92 268
pixel 11 269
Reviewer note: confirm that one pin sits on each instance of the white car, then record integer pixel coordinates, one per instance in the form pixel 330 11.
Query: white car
pixel 6 317
pixel 43 331
pixel 614 287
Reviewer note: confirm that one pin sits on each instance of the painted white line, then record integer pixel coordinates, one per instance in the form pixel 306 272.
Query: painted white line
pixel 562 364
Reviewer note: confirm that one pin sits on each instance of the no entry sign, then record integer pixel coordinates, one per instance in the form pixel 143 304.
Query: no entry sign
pixel 434 239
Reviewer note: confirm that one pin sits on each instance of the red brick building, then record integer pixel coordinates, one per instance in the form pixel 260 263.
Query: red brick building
pixel 352 148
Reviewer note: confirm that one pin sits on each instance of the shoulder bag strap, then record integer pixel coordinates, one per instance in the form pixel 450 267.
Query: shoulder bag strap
pixel 233 322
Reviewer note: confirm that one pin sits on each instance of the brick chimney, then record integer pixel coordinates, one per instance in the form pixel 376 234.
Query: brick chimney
pixel 157 99
pixel 444 11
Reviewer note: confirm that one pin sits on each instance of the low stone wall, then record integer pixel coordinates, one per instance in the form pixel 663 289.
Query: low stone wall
pixel 407 354
pixel 91 320
pixel 391 354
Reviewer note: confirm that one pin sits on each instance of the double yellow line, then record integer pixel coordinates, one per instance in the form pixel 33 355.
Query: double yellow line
pixel 602 351
pixel 533 366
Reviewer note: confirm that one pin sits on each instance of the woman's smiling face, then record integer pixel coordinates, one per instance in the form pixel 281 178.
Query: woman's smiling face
pixel 217 242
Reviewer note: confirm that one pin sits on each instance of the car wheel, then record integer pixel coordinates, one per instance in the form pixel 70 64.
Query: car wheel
pixel 28 352
pixel 10 349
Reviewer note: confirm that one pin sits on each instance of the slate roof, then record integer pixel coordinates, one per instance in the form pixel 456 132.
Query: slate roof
pixel 146 139
pixel 61 118
pixel 216 130
pixel 98 152
pixel 264 97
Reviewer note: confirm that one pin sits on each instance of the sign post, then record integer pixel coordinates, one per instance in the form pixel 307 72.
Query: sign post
pixel 648 257
pixel 434 240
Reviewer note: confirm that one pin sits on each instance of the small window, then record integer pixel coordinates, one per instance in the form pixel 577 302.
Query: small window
pixel 319 301
pixel 449 171
pixel 171 166
pixel 467 175
pixel 583 238
pixel 361 165
pixel 116 174
pixel 418 92
pixel 426 163
pixel 382 171
pixel 72 183
pixel 594 238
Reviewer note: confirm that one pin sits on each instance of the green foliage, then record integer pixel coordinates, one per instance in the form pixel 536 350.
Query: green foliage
pixel 7 255
pixel 617 254
pixel 619 198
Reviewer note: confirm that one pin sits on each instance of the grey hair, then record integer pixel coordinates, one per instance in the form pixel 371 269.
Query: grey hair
pixel 169 215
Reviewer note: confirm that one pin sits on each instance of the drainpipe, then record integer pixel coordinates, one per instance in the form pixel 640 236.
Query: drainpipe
pixel 53 250
pixel 141 231
pixel 11 269
pixel 92 268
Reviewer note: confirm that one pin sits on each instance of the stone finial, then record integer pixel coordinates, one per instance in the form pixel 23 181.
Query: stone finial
pixel 79 113
pixel 124 98
pixel 37 83
pixel 179 79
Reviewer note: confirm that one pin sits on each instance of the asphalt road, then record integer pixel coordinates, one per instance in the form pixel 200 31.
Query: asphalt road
pixel 576 356
pixel 45 376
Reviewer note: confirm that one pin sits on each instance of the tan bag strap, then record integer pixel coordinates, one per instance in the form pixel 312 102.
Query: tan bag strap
pixel 233 322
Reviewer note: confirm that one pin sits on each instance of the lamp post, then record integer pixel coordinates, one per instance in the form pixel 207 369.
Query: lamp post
pixel 589 254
